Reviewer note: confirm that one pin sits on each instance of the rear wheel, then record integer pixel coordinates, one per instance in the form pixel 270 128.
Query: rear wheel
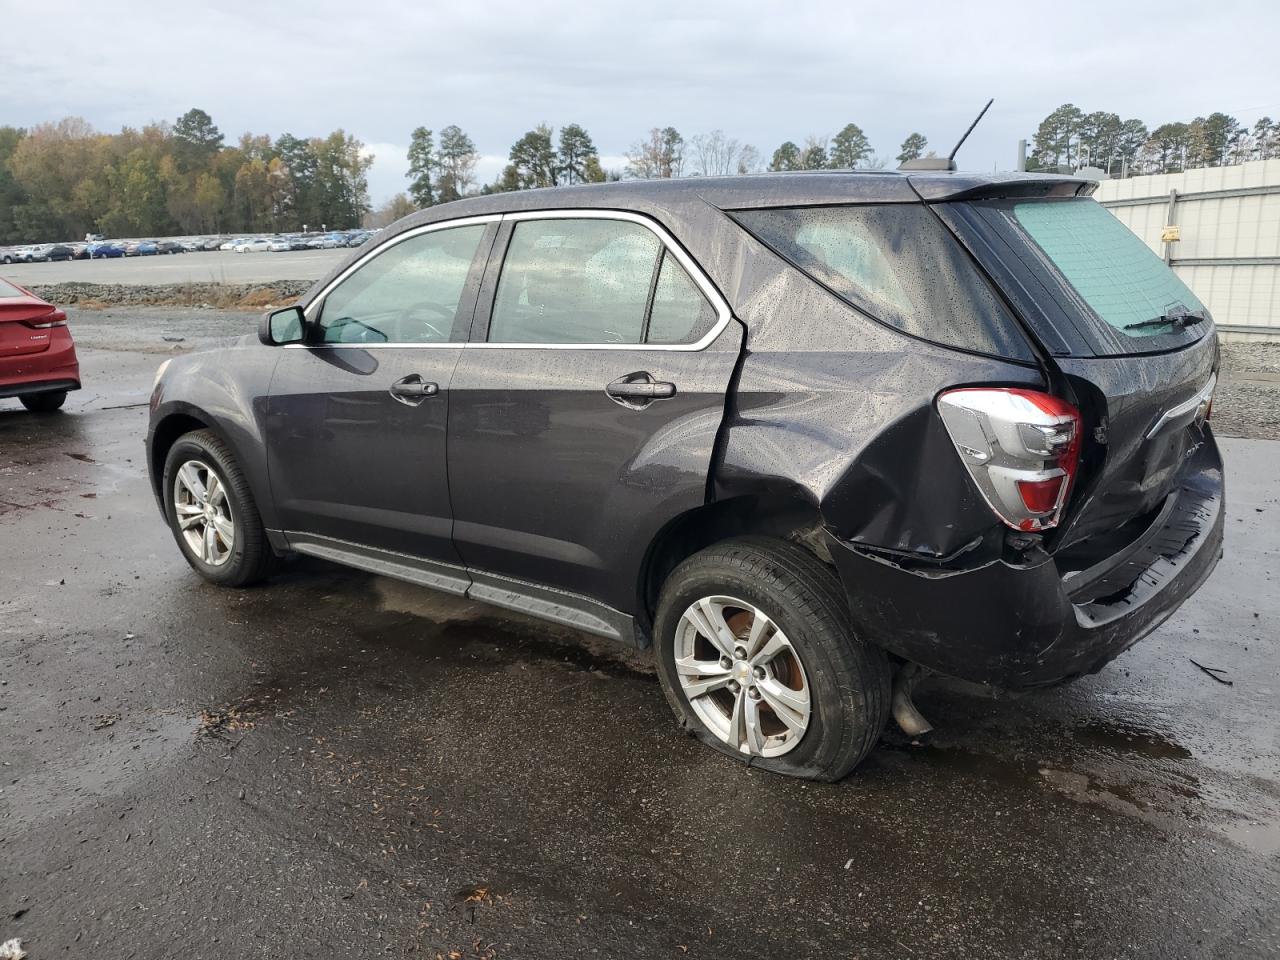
pixel 212 512
pixel 44 402
pixel 758 660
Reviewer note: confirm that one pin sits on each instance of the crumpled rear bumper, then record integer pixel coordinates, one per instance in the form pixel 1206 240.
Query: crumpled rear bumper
pixel 1030 626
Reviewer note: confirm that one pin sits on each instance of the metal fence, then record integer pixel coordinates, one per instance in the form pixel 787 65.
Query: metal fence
pixel 1219 228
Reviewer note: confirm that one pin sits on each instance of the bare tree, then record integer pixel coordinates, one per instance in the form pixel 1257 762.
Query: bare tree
pixel 715 154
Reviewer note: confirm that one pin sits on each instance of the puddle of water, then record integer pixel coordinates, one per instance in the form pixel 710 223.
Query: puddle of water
pixel 1261 838
pixel 1119 736
pixel 119 757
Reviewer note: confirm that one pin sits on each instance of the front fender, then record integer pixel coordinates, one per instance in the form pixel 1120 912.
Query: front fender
pixel 226 395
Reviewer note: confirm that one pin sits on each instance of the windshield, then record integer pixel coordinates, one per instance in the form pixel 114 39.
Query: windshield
pixel 8 290
pixel 1108 265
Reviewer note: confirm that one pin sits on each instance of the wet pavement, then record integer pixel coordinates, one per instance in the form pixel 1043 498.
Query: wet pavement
pixel 339 765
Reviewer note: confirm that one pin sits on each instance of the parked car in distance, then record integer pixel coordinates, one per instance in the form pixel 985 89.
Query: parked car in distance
pixel 140 248
pixel 8 255
pixel 169 247
pixel 105 249
pixel 57 252
pixel 38 362
pixel 255 245
pixel 279 245
pixel 229 244
pixel 962 438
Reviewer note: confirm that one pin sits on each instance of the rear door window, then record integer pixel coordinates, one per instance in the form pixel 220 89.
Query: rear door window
pixel 594 281
pixel 574 281
pixel 680 313
pixel 899 265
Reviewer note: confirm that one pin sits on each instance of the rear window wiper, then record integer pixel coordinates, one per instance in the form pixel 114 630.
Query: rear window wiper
pixel 1180 319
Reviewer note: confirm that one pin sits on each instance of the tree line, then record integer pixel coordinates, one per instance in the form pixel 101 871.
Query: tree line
pixel 443 169
pixel 1068 138
pixel 59 181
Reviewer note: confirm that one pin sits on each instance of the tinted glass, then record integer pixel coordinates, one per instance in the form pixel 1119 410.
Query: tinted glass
pixel 409 293
pixel 574 281
pixel 1107 264
pixel 681 314
pixel 898 264
pixel 7 289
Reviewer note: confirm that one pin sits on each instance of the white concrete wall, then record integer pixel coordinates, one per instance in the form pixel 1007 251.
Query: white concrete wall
pixel 1214 227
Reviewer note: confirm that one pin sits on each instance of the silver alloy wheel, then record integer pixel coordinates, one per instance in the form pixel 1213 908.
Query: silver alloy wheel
pixel 742 676
pixel 203 512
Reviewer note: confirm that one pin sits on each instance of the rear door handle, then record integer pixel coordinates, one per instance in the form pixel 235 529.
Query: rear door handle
pixel 412 389
pixel 639 388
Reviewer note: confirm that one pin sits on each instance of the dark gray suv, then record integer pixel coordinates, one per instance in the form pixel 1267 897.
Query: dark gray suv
pixel 806 434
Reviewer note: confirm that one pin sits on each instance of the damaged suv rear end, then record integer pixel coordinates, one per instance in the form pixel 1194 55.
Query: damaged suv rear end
pixel 1028 483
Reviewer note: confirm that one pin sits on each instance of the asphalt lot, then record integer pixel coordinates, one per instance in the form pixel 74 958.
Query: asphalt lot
pixel 339 765
pixel 213 266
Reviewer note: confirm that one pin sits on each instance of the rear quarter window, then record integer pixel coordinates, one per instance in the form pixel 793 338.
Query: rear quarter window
pixel 897 264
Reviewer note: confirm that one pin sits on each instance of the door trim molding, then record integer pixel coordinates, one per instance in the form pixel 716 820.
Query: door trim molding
pixel 446 577
pixel 542 602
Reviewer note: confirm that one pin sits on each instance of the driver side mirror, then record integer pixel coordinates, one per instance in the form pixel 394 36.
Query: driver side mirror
pixel 279 327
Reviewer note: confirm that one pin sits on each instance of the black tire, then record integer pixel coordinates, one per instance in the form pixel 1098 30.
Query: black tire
pixel 848 680
pixel 251 558
pixel 44 402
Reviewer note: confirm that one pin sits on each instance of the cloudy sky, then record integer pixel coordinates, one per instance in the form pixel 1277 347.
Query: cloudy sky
pixel 762 72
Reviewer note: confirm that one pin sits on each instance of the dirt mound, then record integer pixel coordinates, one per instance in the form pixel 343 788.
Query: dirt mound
pixel 225 296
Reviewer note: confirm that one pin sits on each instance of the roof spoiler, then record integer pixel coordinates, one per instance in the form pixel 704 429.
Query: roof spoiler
pixel 949 162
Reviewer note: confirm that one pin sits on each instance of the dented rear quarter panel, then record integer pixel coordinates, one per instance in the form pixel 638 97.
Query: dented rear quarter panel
pixel 835 409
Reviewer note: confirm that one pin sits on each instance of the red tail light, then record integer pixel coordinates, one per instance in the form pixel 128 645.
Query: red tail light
pixel 1022 448
pixel 55 318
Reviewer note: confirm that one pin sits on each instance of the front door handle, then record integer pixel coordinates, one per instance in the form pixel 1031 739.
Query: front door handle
pixel 639 389
pixel 412 390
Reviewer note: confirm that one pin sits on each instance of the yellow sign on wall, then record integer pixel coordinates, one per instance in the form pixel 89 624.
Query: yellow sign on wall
pixel 1171 234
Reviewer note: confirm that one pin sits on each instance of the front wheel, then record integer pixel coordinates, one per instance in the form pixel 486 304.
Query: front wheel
pixel 44 402
pixel 212 513
pixel 758 659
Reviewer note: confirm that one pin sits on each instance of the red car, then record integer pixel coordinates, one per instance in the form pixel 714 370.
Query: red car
pixel 38 362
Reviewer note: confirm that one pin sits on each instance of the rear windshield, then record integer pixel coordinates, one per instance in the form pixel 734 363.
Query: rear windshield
pixel 1108 265
pixel 898 264
pixel 8 290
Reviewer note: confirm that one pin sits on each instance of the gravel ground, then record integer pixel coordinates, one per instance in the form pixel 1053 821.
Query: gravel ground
pixel 1247 403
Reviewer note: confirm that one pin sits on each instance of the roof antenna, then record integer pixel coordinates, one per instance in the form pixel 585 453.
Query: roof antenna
pixel 949 163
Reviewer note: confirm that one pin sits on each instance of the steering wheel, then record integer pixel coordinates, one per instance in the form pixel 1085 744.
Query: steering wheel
pixel 411 315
